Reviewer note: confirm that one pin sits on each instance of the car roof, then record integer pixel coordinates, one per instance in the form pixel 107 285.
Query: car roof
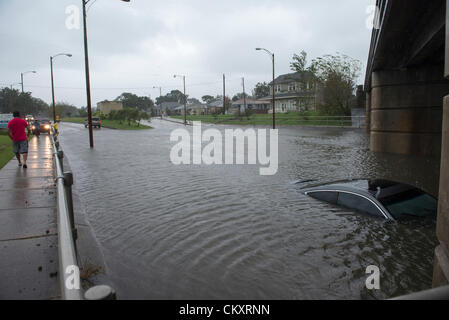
pixel 363 186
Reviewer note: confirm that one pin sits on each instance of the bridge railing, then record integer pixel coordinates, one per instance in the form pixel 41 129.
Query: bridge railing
pixel 69 268
pixel 382 9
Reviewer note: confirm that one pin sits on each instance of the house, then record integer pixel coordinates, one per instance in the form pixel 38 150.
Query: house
pixel 106 106
pixel 256 106
pixel 179 110
pixel 293 92
pixel 215 107
pixel 197 109
pixel 168 107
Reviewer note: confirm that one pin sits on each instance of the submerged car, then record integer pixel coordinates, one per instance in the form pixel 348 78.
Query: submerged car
pixel 381 198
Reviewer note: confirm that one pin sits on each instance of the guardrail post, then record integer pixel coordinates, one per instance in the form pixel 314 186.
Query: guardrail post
pixel 61 157
pixel 68 182
pixel 102 292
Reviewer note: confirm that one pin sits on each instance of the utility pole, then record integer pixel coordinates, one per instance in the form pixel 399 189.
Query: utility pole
pixel 274 98
pixel 185 101
pixel 160 99
pixel 244 94
pixel 86 63
pixel 224 94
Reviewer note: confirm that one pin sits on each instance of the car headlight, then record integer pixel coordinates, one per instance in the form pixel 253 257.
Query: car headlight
pixel 47 126
pixel 33 128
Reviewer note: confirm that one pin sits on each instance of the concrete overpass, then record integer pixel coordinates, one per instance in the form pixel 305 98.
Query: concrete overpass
pixel 408 94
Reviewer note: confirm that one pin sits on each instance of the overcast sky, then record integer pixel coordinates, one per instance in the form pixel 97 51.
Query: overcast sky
pixel 138 45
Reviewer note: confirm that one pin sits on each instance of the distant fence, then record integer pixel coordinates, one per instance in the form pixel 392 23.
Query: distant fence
pixel 356 121
pixel 334 121
pixel 284 119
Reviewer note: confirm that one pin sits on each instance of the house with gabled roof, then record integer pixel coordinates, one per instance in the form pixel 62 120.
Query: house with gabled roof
pixel 293 92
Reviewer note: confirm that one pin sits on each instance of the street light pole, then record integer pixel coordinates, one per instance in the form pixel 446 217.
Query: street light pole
pixel 274 95
pixel 21 78
pixel 86 58
pixel 52 83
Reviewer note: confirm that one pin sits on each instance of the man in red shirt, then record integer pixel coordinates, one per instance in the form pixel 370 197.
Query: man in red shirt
pixel 16 131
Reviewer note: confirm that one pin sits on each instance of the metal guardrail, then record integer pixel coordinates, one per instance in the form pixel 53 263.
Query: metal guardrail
pixel 68 263
pixel 69 271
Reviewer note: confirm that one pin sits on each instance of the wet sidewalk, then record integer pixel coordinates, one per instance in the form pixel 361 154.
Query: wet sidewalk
pixel 28 236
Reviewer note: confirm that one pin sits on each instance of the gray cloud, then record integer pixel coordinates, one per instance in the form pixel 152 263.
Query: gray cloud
pixel 135 46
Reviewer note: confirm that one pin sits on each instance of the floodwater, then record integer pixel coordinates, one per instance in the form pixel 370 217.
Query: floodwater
pixel 225 232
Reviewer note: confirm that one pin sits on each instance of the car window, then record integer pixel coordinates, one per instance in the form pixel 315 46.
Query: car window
pixel 411 203
pixel 328 196
pixel 358 203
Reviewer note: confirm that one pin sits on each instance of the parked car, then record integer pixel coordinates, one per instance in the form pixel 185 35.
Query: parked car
pixel 44 126
pixel 96 123
pixel 381 198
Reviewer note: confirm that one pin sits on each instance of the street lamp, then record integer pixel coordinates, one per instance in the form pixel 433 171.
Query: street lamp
pixel 11 100
pixel 22 74
pixel 86 58
pixel 274 99
pixel 21 78
pixel 160 100
pixel 52 82
pixel 185 98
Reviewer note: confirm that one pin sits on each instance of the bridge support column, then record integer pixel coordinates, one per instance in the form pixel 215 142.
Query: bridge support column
pixel 441 264
pixel 406 110
pixel 368 111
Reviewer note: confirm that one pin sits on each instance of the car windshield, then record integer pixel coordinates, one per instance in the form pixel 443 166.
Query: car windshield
pixel 411 202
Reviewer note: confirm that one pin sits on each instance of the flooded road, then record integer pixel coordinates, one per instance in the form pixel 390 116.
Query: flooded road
pixel 225 232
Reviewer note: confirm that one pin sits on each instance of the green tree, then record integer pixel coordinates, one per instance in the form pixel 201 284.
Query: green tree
pixel 207 99
pixel 66 110
pixel 261 90
pixel 239 96
pixel 337 76
pixel 12 100
pixel 82 112
pixel 299 62
pixel 173 96
pixel 133 101
pixel 193 101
